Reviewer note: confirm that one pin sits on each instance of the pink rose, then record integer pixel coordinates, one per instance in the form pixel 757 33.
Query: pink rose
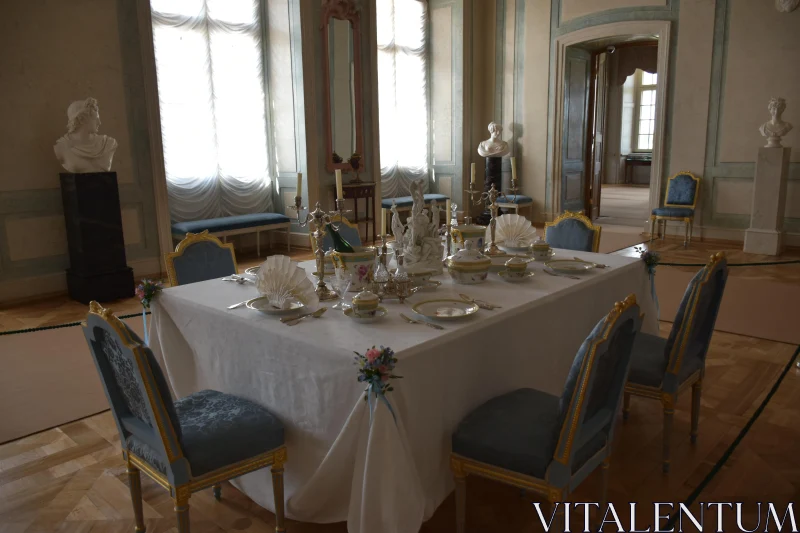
pixel 385 377
pixel 383 369
pixel 373 354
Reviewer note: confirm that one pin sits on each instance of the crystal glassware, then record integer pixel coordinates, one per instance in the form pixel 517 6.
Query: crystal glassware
pixel 341 284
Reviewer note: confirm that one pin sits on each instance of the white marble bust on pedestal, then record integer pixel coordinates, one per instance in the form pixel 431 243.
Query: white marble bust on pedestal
pixel 82 149
pixel 494 146
pixel 776 127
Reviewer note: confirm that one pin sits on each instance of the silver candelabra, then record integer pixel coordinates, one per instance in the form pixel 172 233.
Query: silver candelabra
pixel 320 219
pixel 490 197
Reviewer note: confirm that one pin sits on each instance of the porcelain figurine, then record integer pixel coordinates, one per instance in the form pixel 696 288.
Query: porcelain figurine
pixel 786 6
pixel 494 146
pixel 82 149
pixel 422 246
pixel 776 127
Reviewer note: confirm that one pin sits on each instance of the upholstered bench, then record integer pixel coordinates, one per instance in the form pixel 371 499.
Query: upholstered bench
pixel 236 225
pixel 516 203
pixel 404 203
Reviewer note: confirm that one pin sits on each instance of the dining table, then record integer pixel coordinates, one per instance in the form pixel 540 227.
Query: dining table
pixel 382 469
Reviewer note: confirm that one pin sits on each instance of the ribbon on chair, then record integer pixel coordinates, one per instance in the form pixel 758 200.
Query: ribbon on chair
pixel 380 395
pixel 144 322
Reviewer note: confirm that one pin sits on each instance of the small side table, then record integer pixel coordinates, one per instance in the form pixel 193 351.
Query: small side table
pixel 631 162
pixel 356 191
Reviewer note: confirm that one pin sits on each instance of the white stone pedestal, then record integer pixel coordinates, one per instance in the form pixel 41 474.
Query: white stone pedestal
pixel 765 235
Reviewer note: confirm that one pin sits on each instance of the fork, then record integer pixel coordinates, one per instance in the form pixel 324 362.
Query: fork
pixel 546 269
pixel 412 321
pixel 480 303
pixel 596 265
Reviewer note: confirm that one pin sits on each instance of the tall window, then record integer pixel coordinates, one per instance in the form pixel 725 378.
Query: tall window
pixel 211 87
pixel 645 110
pixel 402 93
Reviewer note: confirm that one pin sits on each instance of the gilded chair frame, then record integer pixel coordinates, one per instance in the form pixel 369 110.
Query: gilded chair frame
pixel 581 218
pixel 340 219
pixel 694 381
pixel 179 481
pixel 190 239
pixel 561 466
pixel 688 221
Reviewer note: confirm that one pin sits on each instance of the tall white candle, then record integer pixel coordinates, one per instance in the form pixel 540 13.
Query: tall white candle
pixel 383 221
pixel 472 173
pixel 339 195
pixel 513 169
pixel 447 212
pixel 299 191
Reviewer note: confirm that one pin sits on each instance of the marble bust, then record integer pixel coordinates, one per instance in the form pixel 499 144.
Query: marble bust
pixel 775 128
pixel 493 146
pixel 786 6
pixel 82 149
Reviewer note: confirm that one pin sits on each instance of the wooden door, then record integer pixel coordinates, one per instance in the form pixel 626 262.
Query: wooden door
pixel 598 144
pixel 577 75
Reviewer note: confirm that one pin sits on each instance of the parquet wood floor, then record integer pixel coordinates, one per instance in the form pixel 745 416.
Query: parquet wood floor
pixel 72 478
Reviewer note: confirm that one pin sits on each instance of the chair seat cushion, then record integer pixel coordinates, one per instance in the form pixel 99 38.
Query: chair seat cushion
pixel 678 212
pixel 649 362
pixel 213 225
pixel 518 199
pixel 218 430
pixel 407 201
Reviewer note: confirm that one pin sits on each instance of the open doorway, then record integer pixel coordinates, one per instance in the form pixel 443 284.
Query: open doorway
pixel 621 130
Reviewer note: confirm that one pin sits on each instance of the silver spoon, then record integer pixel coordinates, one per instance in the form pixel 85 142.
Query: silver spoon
pixel 296 320
pixel 412 321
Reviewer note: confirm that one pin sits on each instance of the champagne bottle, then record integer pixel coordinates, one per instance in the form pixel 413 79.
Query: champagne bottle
pixel 339 242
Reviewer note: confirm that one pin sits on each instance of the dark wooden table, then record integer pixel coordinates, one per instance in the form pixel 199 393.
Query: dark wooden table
pixel 355 192
pixel 631 162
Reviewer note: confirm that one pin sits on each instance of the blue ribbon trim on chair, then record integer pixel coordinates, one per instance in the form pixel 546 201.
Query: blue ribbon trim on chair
pixel 144 321
pixel 380 395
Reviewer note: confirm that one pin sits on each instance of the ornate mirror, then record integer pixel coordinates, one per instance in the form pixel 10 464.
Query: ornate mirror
pixel 341 47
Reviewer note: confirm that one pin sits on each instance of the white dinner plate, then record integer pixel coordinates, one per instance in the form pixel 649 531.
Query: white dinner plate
pixel 380 312
pixel 445 309
pixel 519 250
pixel 262 305
pixel 515 279
pixel 569 266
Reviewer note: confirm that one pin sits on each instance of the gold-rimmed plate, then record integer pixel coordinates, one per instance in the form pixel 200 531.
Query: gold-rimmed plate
pixel 445 309
pixel 262 305
pixel 253 271
pixel 568 266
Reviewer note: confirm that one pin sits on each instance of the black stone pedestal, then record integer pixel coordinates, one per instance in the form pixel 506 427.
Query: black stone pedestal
pixel 494 169
pixel 98 268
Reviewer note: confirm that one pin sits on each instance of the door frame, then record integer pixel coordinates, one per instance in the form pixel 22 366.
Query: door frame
pixel 658 28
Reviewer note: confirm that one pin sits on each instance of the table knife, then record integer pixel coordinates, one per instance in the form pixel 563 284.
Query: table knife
pixel 560 275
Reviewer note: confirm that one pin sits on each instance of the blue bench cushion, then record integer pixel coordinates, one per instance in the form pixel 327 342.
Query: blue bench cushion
pixel 407 201
pixel 678 212
pixel 518 431
pixel 218 430
pixel 518 199
pixel 250 220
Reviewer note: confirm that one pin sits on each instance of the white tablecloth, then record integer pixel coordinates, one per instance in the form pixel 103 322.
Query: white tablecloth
pixel 384 477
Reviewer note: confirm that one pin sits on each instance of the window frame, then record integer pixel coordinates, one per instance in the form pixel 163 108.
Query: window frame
pixel 638 89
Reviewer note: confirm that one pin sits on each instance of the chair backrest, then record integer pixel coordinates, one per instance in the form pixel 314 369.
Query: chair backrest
pixel 136 389
pixel 682 190
pixel 688 343
pixel 199 257
pixel 347 230
pixel 593 390
pixel 573 231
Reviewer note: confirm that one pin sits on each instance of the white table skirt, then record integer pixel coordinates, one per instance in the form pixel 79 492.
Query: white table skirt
pixel 385 477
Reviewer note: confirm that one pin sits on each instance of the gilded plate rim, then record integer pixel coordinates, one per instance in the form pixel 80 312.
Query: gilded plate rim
pixel 586 266
pixel 472 308
pixel 276 312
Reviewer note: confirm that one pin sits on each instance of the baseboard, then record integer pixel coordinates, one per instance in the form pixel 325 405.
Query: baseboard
pixel 675 229
pixel 55 284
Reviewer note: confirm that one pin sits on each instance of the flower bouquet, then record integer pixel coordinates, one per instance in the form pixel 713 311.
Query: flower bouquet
pixel 651 260
pixel 355 164
pixel 375 368
pixel 146 291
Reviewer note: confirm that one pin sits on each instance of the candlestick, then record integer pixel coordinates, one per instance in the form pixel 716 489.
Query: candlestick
pixel 490 197
pixel 383 221
pixel 513 169
pixel 339 195
pixel 299 191
pixel 472 173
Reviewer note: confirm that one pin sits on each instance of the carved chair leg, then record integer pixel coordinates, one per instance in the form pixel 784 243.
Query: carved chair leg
pixel 685 233
pixel 461 503
pixel 217 490
pixel 669 414
pixel 135 483
pixel 277 489
pixel 652 227
pixel 626 406
pixel 663 229
pixel 182 510
pixel 697 390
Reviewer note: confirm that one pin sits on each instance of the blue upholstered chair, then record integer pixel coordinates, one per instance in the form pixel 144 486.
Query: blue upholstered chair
pixel 573 231
pixel 198 257
pixel 347 230
pixel 682 193
pixel 549 444
pixel 185 446
pixel 663 368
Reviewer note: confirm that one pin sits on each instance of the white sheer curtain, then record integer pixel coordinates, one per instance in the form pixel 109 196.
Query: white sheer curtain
pixel 402 94
pixel 209 60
